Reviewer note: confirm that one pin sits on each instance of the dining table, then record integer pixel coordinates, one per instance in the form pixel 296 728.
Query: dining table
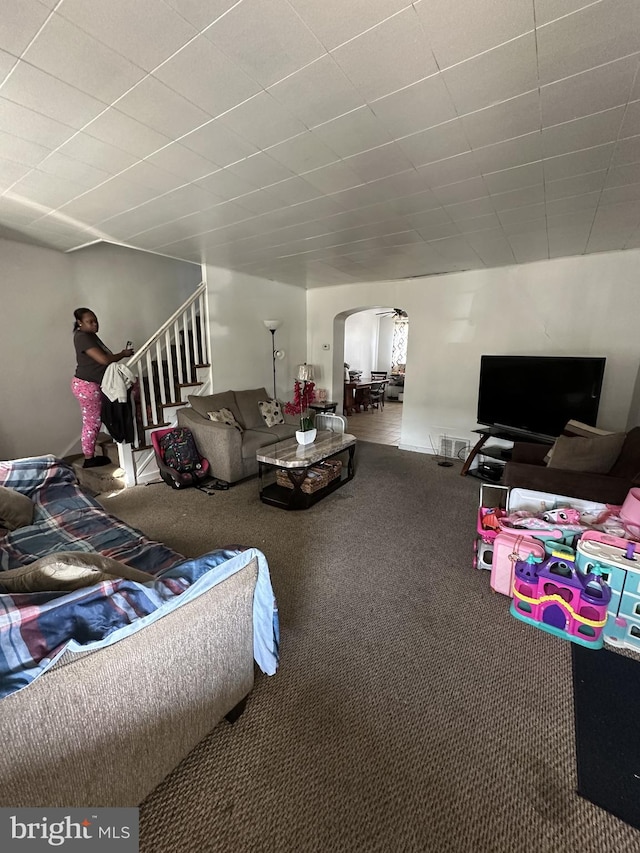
pixel 351 389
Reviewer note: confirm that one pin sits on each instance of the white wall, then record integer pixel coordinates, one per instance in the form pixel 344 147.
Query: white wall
pixel 361 342
pixel 570 306
pixel 132 293
pixel 240 342
pixel 385 343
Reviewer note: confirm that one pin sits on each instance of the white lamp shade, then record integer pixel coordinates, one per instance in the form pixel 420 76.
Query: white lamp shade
pixel 305 372
pixel 272 325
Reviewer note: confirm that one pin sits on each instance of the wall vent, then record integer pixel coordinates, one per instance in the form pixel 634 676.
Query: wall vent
pixel 454 448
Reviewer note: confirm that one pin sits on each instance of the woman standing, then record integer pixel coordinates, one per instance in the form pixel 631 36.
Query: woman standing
pixel 92 357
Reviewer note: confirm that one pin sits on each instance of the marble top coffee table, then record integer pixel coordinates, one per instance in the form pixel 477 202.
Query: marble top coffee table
pixel 294 476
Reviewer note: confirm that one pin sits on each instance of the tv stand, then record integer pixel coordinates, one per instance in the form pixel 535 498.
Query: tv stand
pixel 503 433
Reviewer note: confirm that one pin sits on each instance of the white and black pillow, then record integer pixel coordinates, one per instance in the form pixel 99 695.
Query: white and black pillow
pixel 271 411
pixel 224 416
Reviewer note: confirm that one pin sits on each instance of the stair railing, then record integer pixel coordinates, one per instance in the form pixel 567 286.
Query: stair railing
pixel 167 362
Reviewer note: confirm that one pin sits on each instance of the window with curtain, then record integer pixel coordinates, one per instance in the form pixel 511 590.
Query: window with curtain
pixel 399 344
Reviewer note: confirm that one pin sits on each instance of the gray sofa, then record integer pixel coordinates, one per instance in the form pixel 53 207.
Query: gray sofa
pixel 231 453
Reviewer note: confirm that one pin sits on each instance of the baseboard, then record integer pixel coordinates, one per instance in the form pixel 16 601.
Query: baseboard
pixel 414 448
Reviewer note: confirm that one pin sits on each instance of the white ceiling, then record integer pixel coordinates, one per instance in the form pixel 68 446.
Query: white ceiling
pixel 323 141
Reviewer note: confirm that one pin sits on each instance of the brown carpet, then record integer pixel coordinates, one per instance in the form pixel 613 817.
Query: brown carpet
pixel 411 712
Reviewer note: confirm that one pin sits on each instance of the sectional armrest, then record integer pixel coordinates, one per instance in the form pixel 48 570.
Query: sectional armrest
pixel 219 443
pixel 529 452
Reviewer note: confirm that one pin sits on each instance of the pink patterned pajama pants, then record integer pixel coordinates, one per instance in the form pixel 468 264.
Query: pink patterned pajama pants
pixel 88 396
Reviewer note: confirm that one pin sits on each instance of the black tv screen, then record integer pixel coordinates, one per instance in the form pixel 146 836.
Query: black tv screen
pixel 539 394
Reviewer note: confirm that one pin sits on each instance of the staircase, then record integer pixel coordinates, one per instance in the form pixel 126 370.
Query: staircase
pixel 172 364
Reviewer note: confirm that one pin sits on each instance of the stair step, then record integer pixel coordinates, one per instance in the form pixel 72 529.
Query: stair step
pixel 106 478
pixel 176 404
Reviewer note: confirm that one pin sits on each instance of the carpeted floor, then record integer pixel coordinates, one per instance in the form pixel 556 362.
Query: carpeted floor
pixel 411 712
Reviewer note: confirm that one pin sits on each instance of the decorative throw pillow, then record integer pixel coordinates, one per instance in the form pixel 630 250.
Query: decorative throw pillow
pixel 68 570
pixel 224 416
pixel 596 455
pixel 271 411
pixel 16 509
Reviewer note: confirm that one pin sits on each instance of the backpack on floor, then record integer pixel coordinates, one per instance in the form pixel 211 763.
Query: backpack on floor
pixel 178 458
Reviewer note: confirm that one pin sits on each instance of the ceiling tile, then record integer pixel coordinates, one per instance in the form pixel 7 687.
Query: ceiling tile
pixel 478 25
pixel 416 107
pixel 181 161
pixel 353 133
pixel 567 241
pixel 428 218
pixel 119 24
pixel 201 13
pixel 147 175
pixel 613 195
pixel 518 198
pixel 516 178
pixel 528 213
pixel 88 149
pixel 205 76
pixel 489 221
pixel 578 162
pixel 462 191
pixel 439 142
pixel 631 123
pixel 259 201
pixel 370 61
pixel 598 33
pixel 162 109
pixel 386 160
pixel 61 166
pixel 243 33
pixel 47 190
pixel 27 124
pixel 469 209
pixel 492 247
pixel 65 51
pixel 623 175
pixel 529 247
pixel 588 92
pixel 21 20
pixel 574 204
pixel 626 151
pixel 303 153
pixel 333 178
pixel 22 150
pixel 582 133
pixel 10 172
pixel 502 73
pixel 226 185
pixel 215 142
pixel 591 182
pixel 294 191
pixel 45 94
pixel 317 93
pixel 262 121
pixel 7 61
pixel 507 120
pixel 549 10
pixel 260 169
pixel 451 170
pixel 334 21
pixel 513 152
pixel 399 185
pixel 122 131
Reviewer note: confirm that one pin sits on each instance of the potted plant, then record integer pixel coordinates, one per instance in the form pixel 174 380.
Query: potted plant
pixel 303 396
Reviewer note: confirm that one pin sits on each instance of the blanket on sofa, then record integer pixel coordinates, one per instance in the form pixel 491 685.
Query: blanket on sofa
pixel 36 628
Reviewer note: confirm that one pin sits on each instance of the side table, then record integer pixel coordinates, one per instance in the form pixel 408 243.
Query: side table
pixel 325 406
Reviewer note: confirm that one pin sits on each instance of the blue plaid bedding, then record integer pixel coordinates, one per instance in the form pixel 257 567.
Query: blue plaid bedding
pixel 36 628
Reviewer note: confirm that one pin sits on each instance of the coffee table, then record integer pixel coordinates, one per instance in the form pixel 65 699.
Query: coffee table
pixel 294 459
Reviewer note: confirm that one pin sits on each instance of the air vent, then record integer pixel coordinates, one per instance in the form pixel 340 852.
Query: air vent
pixel 454 448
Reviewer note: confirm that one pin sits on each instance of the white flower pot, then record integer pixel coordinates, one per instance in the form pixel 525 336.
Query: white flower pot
pixel 306 436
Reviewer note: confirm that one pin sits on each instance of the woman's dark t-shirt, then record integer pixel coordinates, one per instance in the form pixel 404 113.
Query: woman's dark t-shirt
pixel 88 369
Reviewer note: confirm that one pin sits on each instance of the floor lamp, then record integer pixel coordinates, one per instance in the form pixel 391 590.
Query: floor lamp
pixel 272 325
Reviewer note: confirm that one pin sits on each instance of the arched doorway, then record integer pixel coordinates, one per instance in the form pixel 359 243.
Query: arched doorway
pixel 373 338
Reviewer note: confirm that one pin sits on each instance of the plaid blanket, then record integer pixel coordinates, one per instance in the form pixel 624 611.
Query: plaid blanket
pixel 36 628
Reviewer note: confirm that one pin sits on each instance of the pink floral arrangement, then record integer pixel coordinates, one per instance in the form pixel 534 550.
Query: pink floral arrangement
pixel 303 395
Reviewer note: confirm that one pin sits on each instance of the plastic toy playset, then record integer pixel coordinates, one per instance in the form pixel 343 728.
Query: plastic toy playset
pixel 572 567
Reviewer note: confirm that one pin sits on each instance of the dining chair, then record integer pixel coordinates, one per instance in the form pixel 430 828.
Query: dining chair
pixel 378 374
pixel 376 396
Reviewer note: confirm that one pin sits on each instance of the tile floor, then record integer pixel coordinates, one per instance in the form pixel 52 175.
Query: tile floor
pixel 381 426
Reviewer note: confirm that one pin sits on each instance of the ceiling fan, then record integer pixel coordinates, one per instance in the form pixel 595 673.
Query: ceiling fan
pixel 399 313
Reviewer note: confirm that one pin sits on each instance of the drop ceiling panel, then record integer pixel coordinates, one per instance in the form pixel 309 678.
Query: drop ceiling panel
pixel 286 135
pixel 479 25
pixel 370 61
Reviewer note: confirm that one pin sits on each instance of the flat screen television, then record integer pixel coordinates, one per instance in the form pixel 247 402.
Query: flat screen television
pixel 539 394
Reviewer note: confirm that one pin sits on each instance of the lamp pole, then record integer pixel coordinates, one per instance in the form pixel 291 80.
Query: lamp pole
pixel 273 358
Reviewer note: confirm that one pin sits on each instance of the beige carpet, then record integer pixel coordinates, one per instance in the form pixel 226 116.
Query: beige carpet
pixel 411 712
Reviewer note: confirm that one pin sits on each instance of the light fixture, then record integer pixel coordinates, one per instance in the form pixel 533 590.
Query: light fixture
pixel 272 325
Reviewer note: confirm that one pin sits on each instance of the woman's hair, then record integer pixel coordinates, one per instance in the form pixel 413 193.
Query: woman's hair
pixel 79 314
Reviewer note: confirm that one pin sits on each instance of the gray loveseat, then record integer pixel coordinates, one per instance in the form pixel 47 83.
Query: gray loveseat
pixel 231 453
